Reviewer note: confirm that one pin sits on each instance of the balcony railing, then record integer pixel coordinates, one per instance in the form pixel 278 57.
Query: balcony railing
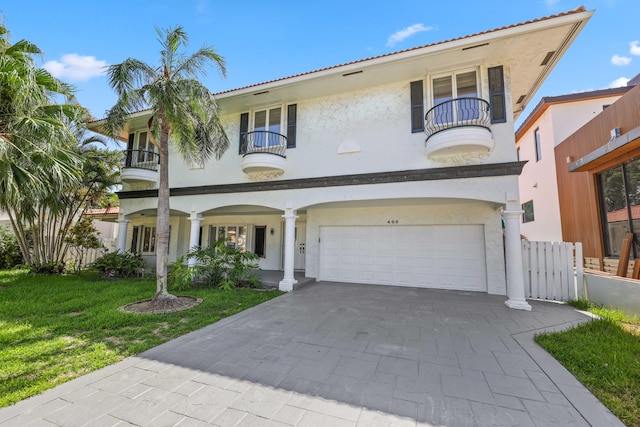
pixel 455 113
pixel 141 159
pixel 264 142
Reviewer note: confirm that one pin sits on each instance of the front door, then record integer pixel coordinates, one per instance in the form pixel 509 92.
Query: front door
pixel 299 257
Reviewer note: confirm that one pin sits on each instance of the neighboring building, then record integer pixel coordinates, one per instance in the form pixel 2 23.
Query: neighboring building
pixel 552 120
pixel 599 179
pixel 329 171
pixel 105 220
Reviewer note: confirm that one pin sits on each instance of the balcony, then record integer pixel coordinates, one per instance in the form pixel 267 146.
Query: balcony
pixel 140 166
pixel 459 126
pixel 264 152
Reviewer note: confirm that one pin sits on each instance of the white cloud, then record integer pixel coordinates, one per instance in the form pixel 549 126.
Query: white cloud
pixel 620 60
pixel 619 82
pixel 634 48
pixel 551 3
pixel 400 35
pixel 76 67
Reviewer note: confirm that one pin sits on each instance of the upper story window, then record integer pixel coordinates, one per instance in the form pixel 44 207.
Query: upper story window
pixel 462 87
pixel 536 136
pixel 268 127
pixel 140 149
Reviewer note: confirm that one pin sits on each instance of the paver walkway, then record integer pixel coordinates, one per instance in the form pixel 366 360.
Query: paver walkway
pixel 333 354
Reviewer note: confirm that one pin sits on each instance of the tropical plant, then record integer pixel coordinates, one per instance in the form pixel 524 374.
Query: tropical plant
pixel 221 265
pixel 82 237
pixel 183 112
pixel 119 265
pixel 10 256
pixel 49 170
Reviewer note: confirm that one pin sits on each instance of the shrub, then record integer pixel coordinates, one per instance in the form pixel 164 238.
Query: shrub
pixel 221 266
pixel 10 255
pixel 52 267
pixel 118 264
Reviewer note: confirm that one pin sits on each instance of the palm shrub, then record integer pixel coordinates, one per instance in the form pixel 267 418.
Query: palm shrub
pixel 220 265
pixel 119 264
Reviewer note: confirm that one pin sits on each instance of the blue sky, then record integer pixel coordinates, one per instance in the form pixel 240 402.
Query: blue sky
pixel 265 40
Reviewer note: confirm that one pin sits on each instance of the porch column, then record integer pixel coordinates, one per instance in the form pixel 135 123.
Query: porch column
pixel 513 259
pixel 287 282
pixel 123 225
pixel 194 236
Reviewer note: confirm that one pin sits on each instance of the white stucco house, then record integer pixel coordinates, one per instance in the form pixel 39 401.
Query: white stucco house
pixel 552 120
pixel 397 170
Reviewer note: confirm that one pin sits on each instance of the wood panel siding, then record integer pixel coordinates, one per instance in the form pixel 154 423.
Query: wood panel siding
pixel 577 191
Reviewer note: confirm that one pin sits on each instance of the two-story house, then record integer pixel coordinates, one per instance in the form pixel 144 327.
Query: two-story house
pixel 395 170
pixel 552 120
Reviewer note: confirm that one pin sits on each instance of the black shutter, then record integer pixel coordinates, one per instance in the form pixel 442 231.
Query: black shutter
pixel 129 154
pixel 291 125
pixel 496 95
pixel 417 107
pixel 244 129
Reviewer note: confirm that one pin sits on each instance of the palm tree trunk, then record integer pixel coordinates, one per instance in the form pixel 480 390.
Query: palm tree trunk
pixel 162 220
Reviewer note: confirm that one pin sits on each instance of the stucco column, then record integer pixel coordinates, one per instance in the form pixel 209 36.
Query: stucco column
pixel 287 282
pixel 123 225
pixel 194 236
pixel 513 259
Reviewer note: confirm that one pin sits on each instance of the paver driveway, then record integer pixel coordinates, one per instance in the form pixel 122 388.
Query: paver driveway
pixel 333 354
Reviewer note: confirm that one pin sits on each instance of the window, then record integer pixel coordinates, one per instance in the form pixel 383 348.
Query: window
pixel 460 87
pixel 268 127
pixel 528 211
pixel 536 136
pixel 619 190
pixel 235 236
pixel 496 95
pixel 143 239
pixel 140 149
pixel 417 107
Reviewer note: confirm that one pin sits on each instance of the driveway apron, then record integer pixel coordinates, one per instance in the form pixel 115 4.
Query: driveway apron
pixel 336 354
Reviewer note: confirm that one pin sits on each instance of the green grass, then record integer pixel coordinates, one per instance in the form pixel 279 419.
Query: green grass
pixel 604 355
pixel 56 328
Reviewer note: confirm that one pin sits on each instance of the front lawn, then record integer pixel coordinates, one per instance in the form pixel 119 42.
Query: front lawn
pixel 604 355
pixel 56 328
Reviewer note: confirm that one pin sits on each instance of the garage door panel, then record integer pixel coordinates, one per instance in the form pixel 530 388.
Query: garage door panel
pixel 434 256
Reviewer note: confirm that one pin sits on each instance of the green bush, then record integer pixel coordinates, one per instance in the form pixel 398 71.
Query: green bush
pixel 119 265
pixel 221 266
pixel 10 255
pixel 51 267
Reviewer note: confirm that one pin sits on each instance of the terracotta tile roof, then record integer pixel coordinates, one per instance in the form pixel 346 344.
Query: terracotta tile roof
pixel 579 9
pixel 623 214
pixel 112 210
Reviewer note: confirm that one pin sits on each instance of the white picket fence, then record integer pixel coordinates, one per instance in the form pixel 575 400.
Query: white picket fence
pixel 553 270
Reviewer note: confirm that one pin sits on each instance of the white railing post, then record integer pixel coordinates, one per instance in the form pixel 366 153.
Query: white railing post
pixel 580 294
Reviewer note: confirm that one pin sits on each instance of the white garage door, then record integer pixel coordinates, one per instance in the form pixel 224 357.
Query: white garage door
pixel 426 256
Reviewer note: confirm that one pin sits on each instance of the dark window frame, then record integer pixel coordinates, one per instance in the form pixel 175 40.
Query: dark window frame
pixel 528 214
pixel 537 140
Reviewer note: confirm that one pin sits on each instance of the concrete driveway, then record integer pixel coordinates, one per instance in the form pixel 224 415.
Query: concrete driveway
pixel 334 354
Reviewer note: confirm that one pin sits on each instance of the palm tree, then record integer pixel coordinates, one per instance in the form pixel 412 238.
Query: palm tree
pixel 183 112
pixel 37 153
